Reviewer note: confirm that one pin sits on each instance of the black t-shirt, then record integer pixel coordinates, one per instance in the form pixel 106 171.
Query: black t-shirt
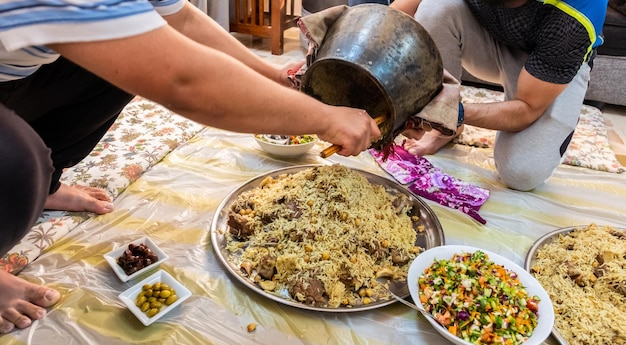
pixel 557 43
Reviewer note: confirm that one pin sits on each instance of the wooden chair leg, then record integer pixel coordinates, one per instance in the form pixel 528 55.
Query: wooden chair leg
pixel 277 18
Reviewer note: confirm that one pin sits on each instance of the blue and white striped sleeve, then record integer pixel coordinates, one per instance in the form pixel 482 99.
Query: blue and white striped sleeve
pixel 25 23
pixel 167 7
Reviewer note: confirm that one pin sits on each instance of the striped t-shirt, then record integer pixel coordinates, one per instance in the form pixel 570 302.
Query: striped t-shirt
pixel 27 26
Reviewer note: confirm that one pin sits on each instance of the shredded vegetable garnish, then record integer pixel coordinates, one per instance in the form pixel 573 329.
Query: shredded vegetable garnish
pixel 287 139
pixel 477 300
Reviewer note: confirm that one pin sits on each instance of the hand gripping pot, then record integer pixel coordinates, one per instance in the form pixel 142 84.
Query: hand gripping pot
pixel 379 59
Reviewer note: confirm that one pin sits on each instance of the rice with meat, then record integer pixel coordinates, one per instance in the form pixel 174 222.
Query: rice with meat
pixel 584 272
pixel 322 236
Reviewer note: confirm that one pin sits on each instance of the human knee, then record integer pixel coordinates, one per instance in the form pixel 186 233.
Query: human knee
pixel 521 177
pixel 25 174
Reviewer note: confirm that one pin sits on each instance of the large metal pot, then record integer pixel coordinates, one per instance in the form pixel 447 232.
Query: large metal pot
pixel 379 59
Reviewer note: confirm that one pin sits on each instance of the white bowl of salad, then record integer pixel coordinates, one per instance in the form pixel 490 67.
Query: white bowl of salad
pixel 481 297
pixel 286 146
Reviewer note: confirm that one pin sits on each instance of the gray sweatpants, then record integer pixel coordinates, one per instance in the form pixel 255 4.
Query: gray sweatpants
pixel 523 159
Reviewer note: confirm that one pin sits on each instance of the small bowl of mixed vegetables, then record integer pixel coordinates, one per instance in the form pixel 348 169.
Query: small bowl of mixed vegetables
pixel 479 297
pixel 286 146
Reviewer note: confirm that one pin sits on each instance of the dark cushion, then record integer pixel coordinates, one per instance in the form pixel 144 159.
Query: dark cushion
pixel 313 6
pixel 614 31
pixel 618 5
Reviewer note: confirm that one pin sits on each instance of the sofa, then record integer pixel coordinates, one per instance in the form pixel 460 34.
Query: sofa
pixel 608 84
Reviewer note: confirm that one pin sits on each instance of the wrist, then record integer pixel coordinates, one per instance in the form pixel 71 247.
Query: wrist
pixel 461 116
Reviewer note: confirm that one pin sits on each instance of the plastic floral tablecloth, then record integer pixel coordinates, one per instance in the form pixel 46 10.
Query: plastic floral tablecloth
pixel 173 202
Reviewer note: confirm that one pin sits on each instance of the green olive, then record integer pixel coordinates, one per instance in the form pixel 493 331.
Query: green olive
pixel 152 312
pixel 145 306
pixel 153 296
pixel 141 300
pixel 171 299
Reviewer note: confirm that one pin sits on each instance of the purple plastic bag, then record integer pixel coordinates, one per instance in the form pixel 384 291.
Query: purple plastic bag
pixel 430 182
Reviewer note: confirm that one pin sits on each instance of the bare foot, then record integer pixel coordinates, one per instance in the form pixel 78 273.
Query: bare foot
pixel 79 198
pixel 428 142
pixel 22 302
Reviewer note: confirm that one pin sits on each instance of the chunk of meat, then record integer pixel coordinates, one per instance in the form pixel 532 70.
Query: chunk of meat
pixel 267 266
pixel 401 203
pixel 238 226
pixel 399 257
pixel 309 291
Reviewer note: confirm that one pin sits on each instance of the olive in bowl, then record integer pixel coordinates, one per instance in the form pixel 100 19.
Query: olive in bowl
pixel 155 296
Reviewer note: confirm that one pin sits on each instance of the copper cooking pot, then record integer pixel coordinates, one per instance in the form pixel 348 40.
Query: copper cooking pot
pixel 379 59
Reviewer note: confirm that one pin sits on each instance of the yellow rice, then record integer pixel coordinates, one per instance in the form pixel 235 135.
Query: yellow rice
pixel 344 214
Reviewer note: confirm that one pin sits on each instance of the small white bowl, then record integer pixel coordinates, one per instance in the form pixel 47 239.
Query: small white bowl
pixel 128 297
pixel 545 319
pixel 112 256
pixel 275 148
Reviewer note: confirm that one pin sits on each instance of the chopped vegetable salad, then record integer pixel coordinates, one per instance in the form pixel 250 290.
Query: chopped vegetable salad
pixel 287 139
pixel 477 300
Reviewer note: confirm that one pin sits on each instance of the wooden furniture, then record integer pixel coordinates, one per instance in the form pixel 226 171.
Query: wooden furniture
pixel 264 18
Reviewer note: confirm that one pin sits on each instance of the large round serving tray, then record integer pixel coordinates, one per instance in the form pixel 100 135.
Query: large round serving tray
pixel 432 236
pixel 531 257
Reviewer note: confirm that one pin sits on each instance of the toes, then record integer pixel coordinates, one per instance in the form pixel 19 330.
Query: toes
pixel 22 321
pixel 103 207
pixel 5 326
pixel 96 193
pixel 45 297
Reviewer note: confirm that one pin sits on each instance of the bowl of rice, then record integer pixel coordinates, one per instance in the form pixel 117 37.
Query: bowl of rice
pixel 479 297
pixel 286 146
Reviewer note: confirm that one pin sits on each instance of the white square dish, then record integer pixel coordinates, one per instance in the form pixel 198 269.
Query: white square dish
pixel 112 256
pixel 129 296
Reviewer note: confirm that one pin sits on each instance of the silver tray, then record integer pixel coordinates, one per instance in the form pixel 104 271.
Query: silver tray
pixel 531 257
pixel 432 235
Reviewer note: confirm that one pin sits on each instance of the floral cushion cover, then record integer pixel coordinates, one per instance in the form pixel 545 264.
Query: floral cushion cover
pixel 142 135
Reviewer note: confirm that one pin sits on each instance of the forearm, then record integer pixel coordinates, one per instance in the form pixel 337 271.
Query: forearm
pixel 509 116
pixel 407 6
pixel 199 27
pixel 531 100
pixel 200 83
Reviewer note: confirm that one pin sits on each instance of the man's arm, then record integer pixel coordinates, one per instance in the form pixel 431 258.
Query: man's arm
pixel 210 87
pixel 533 97
pixel 195 24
